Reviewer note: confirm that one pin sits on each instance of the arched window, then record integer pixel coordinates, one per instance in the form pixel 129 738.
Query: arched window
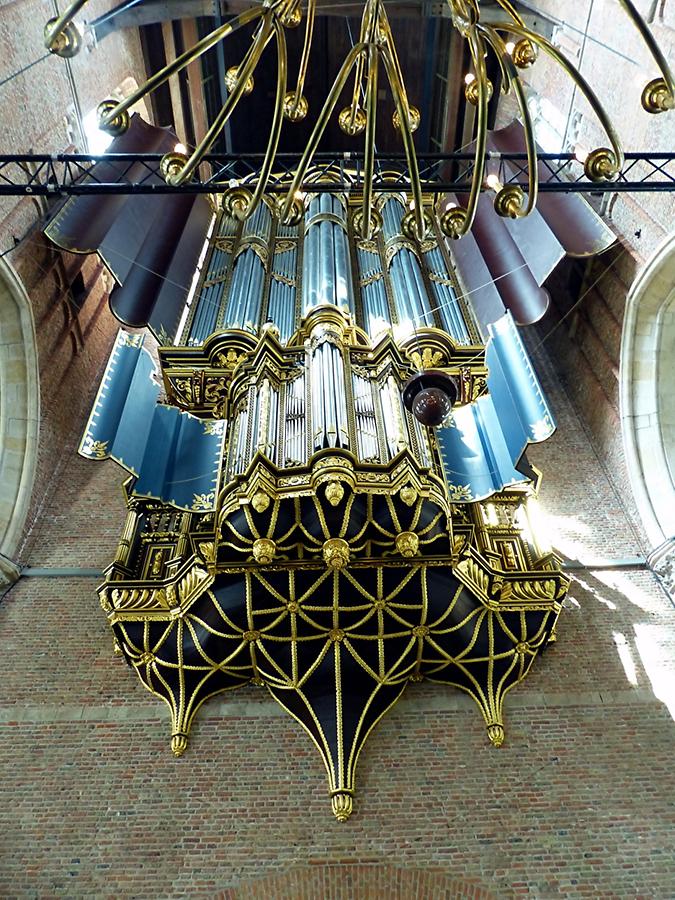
pixel 19 412
pixel 647 396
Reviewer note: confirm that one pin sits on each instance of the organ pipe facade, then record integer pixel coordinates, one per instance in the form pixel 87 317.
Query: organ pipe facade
pixel 334 549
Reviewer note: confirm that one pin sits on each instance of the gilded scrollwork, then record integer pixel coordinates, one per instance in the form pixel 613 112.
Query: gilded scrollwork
pixel 427 359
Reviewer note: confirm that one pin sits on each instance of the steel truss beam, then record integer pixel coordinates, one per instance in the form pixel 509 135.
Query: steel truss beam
pixel 129 173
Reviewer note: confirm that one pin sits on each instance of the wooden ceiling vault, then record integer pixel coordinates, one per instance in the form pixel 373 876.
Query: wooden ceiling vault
pixel 433 60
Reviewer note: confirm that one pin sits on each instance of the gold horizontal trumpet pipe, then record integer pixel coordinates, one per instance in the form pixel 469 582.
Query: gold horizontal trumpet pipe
pixel 250 61
pixel 320 127
pixel 366 36
pixel 578 79
pixel 275 132
pixel 512 11
pixel 400 101
pixel 369 150
pixel 477 50
pixel 304 59
pixel 506 73
pixel 389 39
pixel 63 20
pixel 652 46
pixel 183 60
pixel 499 47
pixel 397 85
pixel 403 107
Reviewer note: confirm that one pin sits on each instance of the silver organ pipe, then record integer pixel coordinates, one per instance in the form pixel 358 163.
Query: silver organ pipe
pixel 393 415
pixel 240 458
pixel 254 420
pixel 410 295
pixel 266 411
pixel 327 276
pixel 241 280
pixel 209 302
pixel 445 297
pixel 373 291
pixel 326 396
pixel 283 284
pixel 248 279
pixel 330 425
pixel 423 449
pixel 296 423
pixel 368 446
pixel 272 420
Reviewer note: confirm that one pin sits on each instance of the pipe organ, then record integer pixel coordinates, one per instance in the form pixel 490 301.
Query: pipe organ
pixel 324 543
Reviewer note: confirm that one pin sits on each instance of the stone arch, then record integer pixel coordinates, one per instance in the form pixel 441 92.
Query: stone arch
pixel 19 408
pixel 647 396
pixel 346 881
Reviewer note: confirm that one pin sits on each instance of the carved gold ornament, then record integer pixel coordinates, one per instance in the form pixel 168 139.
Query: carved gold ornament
pixel 264 551
pixel 334 493
pixel 427 359
pixel 407 543
pixel 408 495
pixel 260 501
pixel 336 553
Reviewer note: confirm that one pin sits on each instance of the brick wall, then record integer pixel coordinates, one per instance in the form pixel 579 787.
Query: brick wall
pixel 73 344
pixel 577 802
pixel 582 329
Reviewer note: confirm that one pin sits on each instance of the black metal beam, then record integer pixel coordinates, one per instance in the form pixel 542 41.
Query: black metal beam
pixel 75 174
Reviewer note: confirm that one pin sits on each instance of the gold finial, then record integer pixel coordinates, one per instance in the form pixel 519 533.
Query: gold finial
pixel 342 806
pixel 656 98
pixel 264 551
pixel 336 553
pixel 236 202
pixel 414 119
pixel 453 222
pixel 352 122
pixel 179 742
pixel 260 501
pixel 271 328
pixel 295 111
pixel 601 165
pixel 525 54
pixel 471 90
pixel 115 126
pixel 509 201
pixel 407 543
pixel 171 165
pixel 409 225
pixel 496 734
pixel 375 223
pixel 67 43
pixel 334 493
pixel 231 78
